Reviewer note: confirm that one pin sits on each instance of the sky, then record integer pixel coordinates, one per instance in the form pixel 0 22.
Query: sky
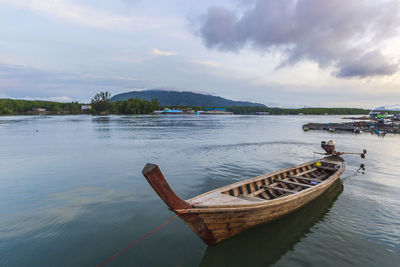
pixel 286 53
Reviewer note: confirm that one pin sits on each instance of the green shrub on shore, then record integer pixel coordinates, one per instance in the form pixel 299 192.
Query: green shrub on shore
pixel 100 102
pixel 100 105
pixel 133 106
pixel 3 109
pixel 18 107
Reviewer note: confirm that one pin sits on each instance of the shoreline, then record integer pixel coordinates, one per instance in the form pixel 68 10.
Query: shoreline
pixel 169 115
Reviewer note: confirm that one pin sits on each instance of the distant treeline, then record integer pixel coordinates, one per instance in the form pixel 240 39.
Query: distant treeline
pixel 98 106
pixel 101 104
pixel 251 110
pixel 133 106
pixel 17 107
pixel 305 111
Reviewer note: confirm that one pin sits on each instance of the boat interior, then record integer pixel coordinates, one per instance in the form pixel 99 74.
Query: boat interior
pixel 272 186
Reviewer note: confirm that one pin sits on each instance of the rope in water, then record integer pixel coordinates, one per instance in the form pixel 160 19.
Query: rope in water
pixel 145 236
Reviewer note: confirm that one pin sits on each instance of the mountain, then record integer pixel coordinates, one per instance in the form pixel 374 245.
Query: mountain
pixel 175 98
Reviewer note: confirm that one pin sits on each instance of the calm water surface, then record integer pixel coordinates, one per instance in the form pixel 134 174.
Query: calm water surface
pixel 72 193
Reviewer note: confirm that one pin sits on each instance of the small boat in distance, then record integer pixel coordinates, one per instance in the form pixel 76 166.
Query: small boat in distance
pixel 227 211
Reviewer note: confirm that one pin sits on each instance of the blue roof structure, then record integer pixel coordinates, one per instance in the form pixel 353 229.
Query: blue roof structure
pixel 172 111
pixel 211 109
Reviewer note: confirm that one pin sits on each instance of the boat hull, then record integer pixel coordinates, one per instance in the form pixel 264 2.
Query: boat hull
pixel 224 212
pixel 214 225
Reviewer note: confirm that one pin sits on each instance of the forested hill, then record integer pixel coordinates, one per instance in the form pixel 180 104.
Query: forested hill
pixel 175 98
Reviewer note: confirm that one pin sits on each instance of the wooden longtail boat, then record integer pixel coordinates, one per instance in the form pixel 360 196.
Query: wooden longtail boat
pixel 224 212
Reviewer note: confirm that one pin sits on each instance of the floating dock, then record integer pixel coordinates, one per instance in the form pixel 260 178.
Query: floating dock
pixel 356 127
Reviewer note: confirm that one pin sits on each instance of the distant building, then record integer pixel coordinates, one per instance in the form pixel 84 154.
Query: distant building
pixel 40 110
pixel 378 114
pixel 188 111
pixel 157 112
pixel 261 113
pixel 214 111
pixel 168 111
pixel 172 111
pixel 86 107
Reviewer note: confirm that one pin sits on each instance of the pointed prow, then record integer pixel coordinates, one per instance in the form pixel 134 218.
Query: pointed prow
pixel 156 179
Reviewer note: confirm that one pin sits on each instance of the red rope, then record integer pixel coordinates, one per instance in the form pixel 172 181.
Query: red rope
pixel 146 235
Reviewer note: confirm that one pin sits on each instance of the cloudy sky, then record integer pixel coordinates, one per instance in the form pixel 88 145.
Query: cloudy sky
pixel 277 52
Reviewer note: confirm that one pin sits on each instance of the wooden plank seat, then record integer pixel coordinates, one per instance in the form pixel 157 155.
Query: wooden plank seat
pixel 263 188
pixel 279 189
pixel 306 172
pixel 327 168
pixel 293 183
pixel 255 193
pixel 305 179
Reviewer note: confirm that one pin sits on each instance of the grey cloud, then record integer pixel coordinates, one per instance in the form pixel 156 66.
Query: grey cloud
pixel 345 34
pixel 372 62
pixel 219 30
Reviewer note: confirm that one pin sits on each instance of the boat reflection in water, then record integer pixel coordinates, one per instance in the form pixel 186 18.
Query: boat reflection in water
pixel 264 245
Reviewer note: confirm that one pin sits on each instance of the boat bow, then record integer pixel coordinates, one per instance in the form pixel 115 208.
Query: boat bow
pixel 157 181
